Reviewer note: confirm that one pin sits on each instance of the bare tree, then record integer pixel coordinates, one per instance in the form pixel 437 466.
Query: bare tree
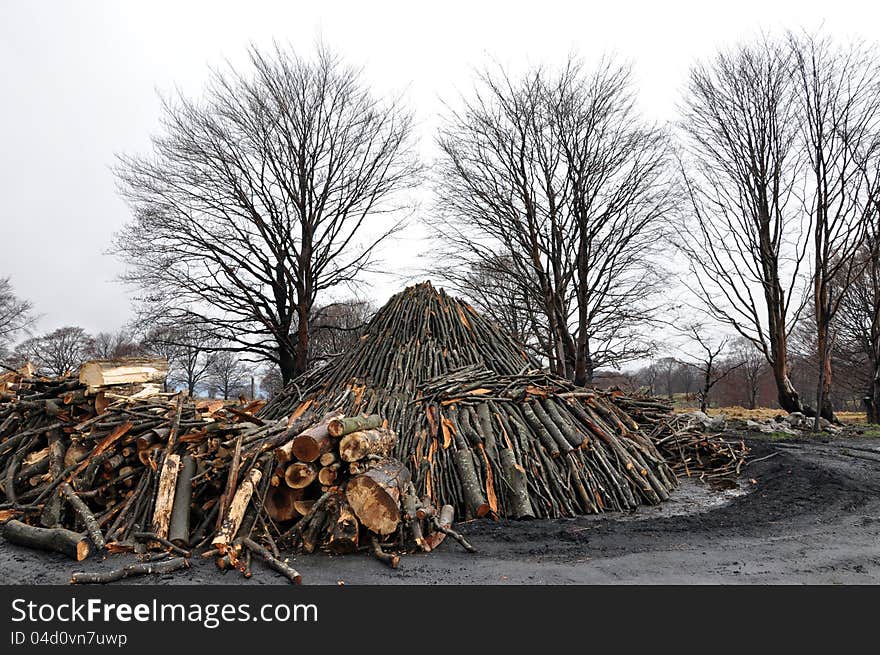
pixel 743 240
pixel 752 368
pixel 114 345
pixel 274 188
pixel 554 187
pixel 15 314
pixel 839 97
pixel 708 360
pixel 494 288
pixel 667 369
pixel 189 351
pixel 59 352
pixel 337 327
pixel 227 375
pixel 270 382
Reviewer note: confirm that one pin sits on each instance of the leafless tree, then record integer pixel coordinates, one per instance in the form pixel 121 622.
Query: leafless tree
pixel 338 326
pixel 59 352
pixel 708 360
pixel 838 90
pixel 189 351
pixel 667 368
pixel 114 345
pixel 226 375
pixel 15 314
pixel 553 186
pixel 493 286
pixel 257 199
pixel 270 382
pixel 752 369
pixel 743 238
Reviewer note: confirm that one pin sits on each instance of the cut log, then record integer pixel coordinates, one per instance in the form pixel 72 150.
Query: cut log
pixel 327 458
pixel 447 514
pixel 72 544
pixel 313 442
pixel 520 506
pixel 470 483
pixel 178 529
pixel 236 511
pixel 357 445
pixel 374 495
pixel 281 501
pixel 327 475
pixel 130 370
pixel 300 475
pixel 165 495
pixel 303 506
pixel 344 529
pixel 343 425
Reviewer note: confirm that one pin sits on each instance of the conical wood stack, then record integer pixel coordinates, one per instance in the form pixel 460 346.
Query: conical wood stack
pixel 479 425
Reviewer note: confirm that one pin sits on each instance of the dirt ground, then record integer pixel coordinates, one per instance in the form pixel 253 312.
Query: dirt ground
pixel 809 513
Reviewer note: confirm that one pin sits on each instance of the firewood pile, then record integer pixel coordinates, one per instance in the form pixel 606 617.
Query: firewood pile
pixel 111 464
pixel 690 450
pixel 480 427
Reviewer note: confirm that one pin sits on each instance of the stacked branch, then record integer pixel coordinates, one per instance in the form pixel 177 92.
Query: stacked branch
pixel 480 427
pixel 86 467
pixel 690 451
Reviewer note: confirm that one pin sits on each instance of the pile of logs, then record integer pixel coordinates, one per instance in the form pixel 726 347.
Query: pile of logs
pixel 690 451
pixel 480 426
pixel 115 465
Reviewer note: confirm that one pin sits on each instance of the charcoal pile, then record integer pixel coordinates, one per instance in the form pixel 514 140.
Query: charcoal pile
pixel 481 428
pixel 691 449
pixel 107 463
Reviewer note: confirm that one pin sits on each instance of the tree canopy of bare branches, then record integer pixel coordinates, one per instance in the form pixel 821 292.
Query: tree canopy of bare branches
pixel 838 91
pixel 743 237
pixel 15 314
pixel 554 189
pixel 272 189
pixel 59 352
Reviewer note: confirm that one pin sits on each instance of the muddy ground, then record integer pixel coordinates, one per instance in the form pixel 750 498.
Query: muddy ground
pixel 809 513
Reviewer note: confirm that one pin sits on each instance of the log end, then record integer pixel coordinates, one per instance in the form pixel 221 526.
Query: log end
pixel 83 550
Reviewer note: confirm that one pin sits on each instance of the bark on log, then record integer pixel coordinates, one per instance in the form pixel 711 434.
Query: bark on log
pixel 237 508
pixel 341 426
pixel 133 370
pixel 85 514
pixel 345 529
pixel 360 444
pixel 470 484
pixel 519 504
pixel 447 515
pixel 129 571
pixel 274 563
pixel 52 511
pixel 374 495
pixel 178 529
pixel 313 442
pixel 72 544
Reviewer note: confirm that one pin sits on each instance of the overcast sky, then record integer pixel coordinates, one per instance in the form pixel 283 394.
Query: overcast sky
pixel 80 82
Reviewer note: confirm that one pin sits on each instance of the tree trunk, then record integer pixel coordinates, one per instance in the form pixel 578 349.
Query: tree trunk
pixel 75 546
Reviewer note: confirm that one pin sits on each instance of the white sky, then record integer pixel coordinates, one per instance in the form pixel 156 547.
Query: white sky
pixel 79 83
